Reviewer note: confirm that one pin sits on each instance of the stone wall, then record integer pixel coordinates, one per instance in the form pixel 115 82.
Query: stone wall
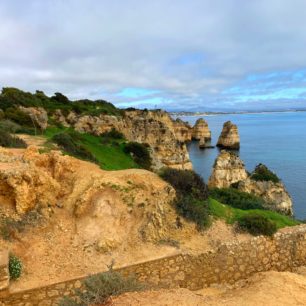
pixel 227 264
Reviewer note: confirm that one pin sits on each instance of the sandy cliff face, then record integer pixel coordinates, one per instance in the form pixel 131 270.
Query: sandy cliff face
pixel 201 130
pixel 229 138
pixel 165 136
pixel 228 169
pixel 103 201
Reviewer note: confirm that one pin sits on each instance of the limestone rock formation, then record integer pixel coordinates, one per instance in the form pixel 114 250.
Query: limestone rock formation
pixel 275 194
pixel 201 130
pixel 229 138
pixel 37 114
pixel 165 136
pixel 202 143
pixel 228 169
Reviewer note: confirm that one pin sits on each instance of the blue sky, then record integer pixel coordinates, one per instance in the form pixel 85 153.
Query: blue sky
pixel 179 55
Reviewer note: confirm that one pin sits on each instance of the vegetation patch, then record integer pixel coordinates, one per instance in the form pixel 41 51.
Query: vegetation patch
pixel 15 267
pixel 256 224
pixel 70 143
pixel 186 183
pixel 236 198
pixel 191 195
pixel 110 155
pixel 10 141
pixel 13 97
pixel 140 154
pixel 99 288
pixel 262 173
pixel 232 215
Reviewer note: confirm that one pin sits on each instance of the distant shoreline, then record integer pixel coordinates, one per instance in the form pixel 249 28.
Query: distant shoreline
pixel 196 114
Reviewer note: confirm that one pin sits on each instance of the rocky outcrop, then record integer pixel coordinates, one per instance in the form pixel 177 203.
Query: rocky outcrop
pixel 38 115
pixel 111 205
pixel 274 193
pixel 182 130
pixel 228 169
pixel 201 130
pixel 229 138
pixel 165 136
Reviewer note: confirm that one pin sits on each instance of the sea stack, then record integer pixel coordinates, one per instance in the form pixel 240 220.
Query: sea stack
pixel 229 138
pixel 228 169
pixel 201 130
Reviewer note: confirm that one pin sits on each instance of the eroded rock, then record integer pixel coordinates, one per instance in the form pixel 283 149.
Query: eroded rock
pixel 229 138
pixel 228 169
pixel 201 130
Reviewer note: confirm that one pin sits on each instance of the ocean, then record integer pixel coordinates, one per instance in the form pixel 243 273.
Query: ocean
pixel 277 140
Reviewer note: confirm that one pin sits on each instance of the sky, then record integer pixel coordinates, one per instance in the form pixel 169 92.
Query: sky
pixel 195 55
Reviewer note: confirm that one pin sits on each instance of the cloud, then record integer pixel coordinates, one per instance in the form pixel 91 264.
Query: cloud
pixel 196 55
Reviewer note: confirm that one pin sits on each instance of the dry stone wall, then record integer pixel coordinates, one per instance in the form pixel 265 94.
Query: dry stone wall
pixel 226 264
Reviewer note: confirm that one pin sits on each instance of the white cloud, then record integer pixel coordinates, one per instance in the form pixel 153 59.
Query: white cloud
pixel 189 51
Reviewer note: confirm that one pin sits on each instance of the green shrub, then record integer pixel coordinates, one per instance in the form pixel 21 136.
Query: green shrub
pixel 191 195
pixel 113 134
pixel 193 210
pixel 99 288
pixel 257 224
pixel 9 141
pixel 236 198
pixel 15 267
pixel 262 173
pixel 140 154
pixel 69 143
pixel 9 126
pixel 186 183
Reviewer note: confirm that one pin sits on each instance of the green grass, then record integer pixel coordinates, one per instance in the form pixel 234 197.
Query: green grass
pixel 109 156
pixel 231 215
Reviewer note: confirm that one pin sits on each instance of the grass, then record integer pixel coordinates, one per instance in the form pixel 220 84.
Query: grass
pixel 110 156
pixel 231 215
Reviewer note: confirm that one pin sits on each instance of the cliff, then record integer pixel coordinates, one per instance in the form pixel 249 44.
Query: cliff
pixel 228 169
pixel 165 136
pixel 229 138
pixel 201 130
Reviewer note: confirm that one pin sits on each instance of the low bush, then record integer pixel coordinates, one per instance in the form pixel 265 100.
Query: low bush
pixel 15 267
pixel 9 126
pixel 7 140
pixel 262 173
pixel 236 198
pixel 113 134
pixel 256 225
pixel 99 288
pixel 69 143
pixel 191 195
pixel 186 183
pixel 140 154
pixel 193 210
